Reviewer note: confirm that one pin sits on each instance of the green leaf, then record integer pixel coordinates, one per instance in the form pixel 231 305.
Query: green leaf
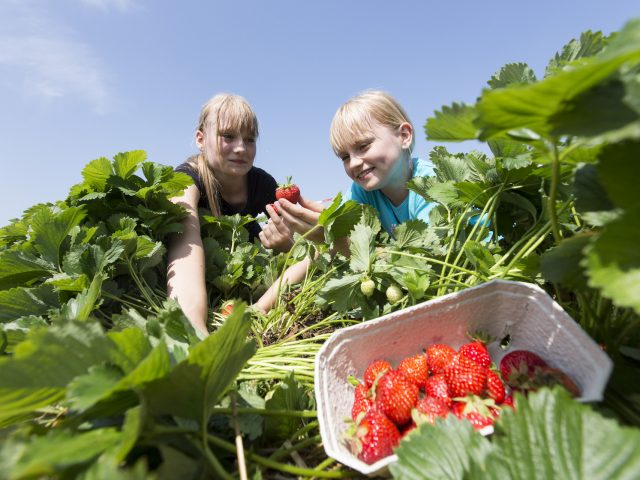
pixel 68 350
pixel 613 261
pixel 454 123
pixel 208 371
pixel 50 228
pixel 287 395
pixel 589 44
pixel 21 302
pixel 58 451
pixel 362 244
pixel 553 105
pixel 512 73
pixel 18 268
pixel 414 234
pixel 562 264
pixel 591 195
pixel 338 219
pixel 441 451
pixel 619 171
pixel 341 292
pixel 96 173
pixel 550 435
pixel 125 164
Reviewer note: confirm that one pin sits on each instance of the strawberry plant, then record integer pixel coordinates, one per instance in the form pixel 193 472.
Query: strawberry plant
pixel 102 376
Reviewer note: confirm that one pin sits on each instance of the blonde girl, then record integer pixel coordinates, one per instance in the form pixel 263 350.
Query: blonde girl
pixel 226 182
pixel 373 136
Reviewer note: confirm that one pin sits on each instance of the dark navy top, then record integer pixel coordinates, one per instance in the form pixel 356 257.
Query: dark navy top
pixel 261 190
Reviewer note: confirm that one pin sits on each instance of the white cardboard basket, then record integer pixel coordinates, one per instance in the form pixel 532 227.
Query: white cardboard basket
pixel 521 310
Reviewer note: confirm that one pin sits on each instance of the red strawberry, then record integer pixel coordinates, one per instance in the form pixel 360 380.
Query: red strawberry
pixel 429 408
pixel 465 377
pixel 476 411
pixel 396 396
pixel 226 309
pixel 508 401
pixel 361 401
pixel 517 367
pixel 375 437
pixel 438 357
pixel 375 370
pixel 437 387
pixel 478 419
pixel 415 369
pixel 495 387
pixel 476 351
pixel 289 191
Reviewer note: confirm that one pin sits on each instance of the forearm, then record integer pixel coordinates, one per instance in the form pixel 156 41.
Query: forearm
pixel 186 279
pixel 292 275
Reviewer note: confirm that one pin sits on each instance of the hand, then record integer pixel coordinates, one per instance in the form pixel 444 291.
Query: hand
pixel 302 217
pixel 276 233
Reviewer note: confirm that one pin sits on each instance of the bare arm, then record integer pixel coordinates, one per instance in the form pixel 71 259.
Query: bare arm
pixel 294 274
pixel 185 270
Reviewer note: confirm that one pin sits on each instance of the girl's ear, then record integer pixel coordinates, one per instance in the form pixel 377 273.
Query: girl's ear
pixel 200 139
pixel 406 134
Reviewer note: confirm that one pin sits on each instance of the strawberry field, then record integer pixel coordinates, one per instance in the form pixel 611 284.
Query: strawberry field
pixel 102 376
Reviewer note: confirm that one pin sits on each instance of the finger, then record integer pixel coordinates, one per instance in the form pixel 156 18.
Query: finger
pixel 272 210
pixel 311 204
pixel 306 215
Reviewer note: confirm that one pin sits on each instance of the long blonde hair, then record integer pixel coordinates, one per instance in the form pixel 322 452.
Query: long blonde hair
pixel 224 112
pixel 356 116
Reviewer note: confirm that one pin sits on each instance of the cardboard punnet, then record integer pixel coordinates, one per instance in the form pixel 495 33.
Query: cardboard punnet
pixel 522 312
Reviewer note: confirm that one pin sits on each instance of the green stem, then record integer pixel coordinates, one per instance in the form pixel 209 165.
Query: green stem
pixel 553 192
pixel 265 413
pixel 281 467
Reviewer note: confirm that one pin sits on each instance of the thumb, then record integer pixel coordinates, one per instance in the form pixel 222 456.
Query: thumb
pixel 311 204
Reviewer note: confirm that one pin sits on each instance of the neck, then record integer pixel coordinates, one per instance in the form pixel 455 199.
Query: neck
pixel 397 190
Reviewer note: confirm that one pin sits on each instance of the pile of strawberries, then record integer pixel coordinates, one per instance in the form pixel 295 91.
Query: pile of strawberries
pixel 390 402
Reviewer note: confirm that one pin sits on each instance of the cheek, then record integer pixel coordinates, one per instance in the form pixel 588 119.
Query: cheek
pixel 345 165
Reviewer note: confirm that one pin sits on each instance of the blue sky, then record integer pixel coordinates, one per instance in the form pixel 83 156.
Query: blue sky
pixel 81 79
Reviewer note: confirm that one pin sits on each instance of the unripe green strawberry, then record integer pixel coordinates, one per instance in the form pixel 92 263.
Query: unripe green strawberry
pixel 394 294
pixel 396 396
pixel 367 287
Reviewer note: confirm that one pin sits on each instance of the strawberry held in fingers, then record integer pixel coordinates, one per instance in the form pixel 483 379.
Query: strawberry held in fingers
pixel 289 191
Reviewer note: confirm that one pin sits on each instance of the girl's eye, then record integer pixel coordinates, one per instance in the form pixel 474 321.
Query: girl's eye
pixel 363 145
pixel 250 140
pixel 344 157
pixel 228 136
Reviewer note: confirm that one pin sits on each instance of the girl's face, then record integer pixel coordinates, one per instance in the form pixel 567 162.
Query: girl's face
pixel 374 160
pixel 228 153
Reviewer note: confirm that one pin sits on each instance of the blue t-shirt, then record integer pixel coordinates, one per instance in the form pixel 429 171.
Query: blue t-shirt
pixel 412 207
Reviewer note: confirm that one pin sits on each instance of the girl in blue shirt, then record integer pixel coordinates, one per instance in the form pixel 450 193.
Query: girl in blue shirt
pixel 373 136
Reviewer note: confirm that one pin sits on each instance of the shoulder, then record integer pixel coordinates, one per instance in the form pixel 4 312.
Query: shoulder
pixel 261 177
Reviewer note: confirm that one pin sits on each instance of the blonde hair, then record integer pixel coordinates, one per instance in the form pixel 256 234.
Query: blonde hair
pixel 356 116
pixel 225 112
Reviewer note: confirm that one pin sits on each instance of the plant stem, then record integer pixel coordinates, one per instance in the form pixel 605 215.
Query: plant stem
pixel 282 467
pixel 553 192
pixel 265 413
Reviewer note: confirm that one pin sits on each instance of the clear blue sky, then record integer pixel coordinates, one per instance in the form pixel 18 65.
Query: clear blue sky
pixel 81 79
